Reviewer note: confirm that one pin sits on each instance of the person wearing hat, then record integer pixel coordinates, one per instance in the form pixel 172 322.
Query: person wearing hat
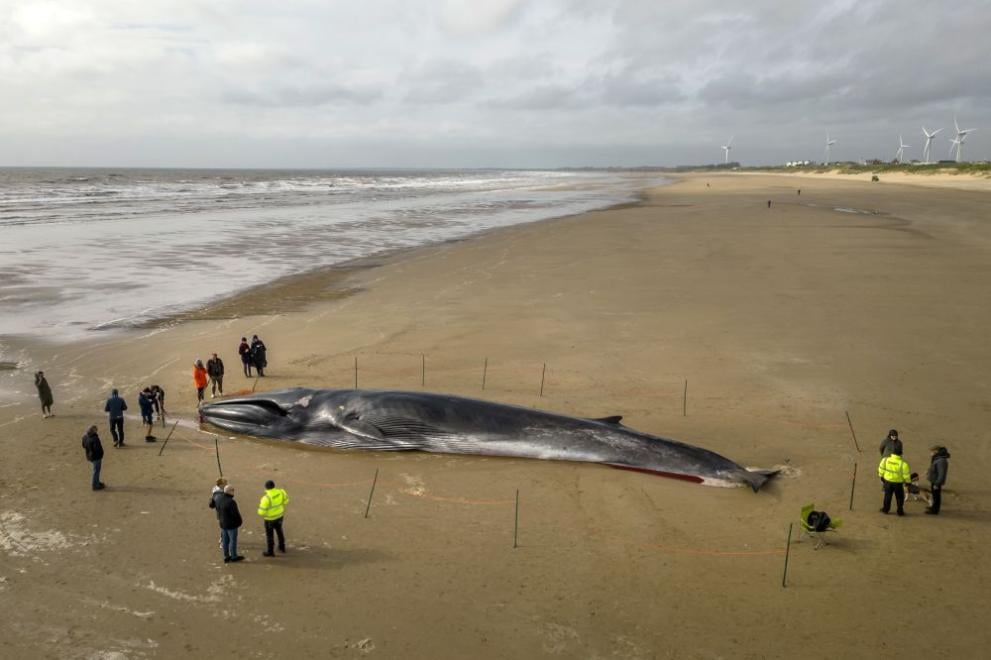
pixel 200 378
pixel 229 518
pixel 939 464
pixel 895 473
pixel 272 508
pixel 94 454
pixel 115 408
pixel 889 443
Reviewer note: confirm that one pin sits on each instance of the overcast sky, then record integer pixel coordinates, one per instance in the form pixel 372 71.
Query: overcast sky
pixel 476 83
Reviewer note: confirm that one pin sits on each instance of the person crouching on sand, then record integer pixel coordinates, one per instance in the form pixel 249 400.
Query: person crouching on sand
pixel 200 379
pixel 44 393
pixel 146 403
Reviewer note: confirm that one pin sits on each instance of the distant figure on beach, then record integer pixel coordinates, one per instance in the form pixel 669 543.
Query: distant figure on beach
pixel 115 408
pixel 146 403
pixel 44 393
pixel 229 518
pixel 938 466
pixel 768 203
pixel 799 192
pixel 158 400
pixel 199 379
pixel 215 369
pixel 94 454
pixel 259 356
pixel 272 508
pixel 244 350
pixel 895 473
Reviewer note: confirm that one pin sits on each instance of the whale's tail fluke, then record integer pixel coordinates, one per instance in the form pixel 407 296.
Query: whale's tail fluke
pixel 757 478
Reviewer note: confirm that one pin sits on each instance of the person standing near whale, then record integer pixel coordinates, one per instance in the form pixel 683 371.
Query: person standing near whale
pixel 272 509
pixel 115 408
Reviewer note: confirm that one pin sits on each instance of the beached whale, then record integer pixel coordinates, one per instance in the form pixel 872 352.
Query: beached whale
pixel 441 423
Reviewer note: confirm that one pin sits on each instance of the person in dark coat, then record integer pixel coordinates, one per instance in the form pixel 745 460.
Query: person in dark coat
pixel 229 518
pixel 146 402
pixel 258 354
pixel 94 454
pixel 938 466
pixel 215 370
pixel 44 393
pixel 889 443
pixel 115 408
pixel 244 350
pixel 158 400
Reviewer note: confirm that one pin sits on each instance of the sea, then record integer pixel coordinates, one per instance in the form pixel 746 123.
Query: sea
pixel 99 250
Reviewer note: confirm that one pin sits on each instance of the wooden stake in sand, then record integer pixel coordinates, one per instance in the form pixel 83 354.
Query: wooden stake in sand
pixel 516 521
pixel 542 374
pixel 371 492
pixel 216 447
pixel 355 372
pixel 852 432
pixel 684 401
pixel 255 384
pixel 853 484
pixel 423 369
pixel 485 371
pixel 784 576
pixel 167 438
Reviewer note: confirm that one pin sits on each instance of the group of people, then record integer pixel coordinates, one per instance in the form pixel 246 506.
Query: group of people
pixel 896 476
pixel 271 508
pixel 253 354
pixel 212 374
pixel 151 400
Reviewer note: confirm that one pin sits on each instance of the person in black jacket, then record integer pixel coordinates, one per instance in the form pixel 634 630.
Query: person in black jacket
pixel 938 467
pixel 215 370
pixel 259 356
pixel 44 393
pixel 94 454
pixel 229 518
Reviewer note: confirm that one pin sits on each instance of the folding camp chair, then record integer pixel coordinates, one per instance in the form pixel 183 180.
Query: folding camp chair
pixel 810 531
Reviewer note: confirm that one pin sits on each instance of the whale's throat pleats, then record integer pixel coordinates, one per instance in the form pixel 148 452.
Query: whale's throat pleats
pixel 393 431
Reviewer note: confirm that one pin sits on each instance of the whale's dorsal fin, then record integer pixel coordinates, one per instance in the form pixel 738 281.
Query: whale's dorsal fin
pixel 612 419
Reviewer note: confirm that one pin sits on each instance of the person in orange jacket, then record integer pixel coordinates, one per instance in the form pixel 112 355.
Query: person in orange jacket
pixel 200 379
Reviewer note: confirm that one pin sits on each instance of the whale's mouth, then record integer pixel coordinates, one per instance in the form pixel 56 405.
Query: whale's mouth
pixel 254 413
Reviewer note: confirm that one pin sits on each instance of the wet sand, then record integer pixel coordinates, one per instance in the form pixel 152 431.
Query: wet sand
pixel 782 320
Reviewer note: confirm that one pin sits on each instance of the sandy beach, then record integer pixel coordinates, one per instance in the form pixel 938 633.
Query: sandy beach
pixel 851 299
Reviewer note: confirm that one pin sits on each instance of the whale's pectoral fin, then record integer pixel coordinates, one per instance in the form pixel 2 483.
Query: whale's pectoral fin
pixel 363 428
pixel 395 432
pixel 613 419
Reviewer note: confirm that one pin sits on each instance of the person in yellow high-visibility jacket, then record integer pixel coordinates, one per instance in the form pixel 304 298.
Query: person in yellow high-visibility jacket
pixel 272 508
pixel 895 473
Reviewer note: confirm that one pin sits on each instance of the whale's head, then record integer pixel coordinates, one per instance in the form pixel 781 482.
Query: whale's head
pixel 293 414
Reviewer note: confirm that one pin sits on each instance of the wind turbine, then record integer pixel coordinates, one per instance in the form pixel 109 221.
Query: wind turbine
pixel 726 149
pixel 829 144
pixel 900 154
pixel 927 150
pixel 960 139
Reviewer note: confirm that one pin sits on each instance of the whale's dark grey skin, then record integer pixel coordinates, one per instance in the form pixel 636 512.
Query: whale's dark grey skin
pixel 399 421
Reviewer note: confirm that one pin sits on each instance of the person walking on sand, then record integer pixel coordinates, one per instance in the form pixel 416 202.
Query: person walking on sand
pixel 94 454
pixel 44 393
pixel 200 379
pixel 244 350
pixel 230 520
pixel 259 355
pixel 115 408
pixel 272 509
pixel 147 406
pixel 895 473
pixel 938 466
